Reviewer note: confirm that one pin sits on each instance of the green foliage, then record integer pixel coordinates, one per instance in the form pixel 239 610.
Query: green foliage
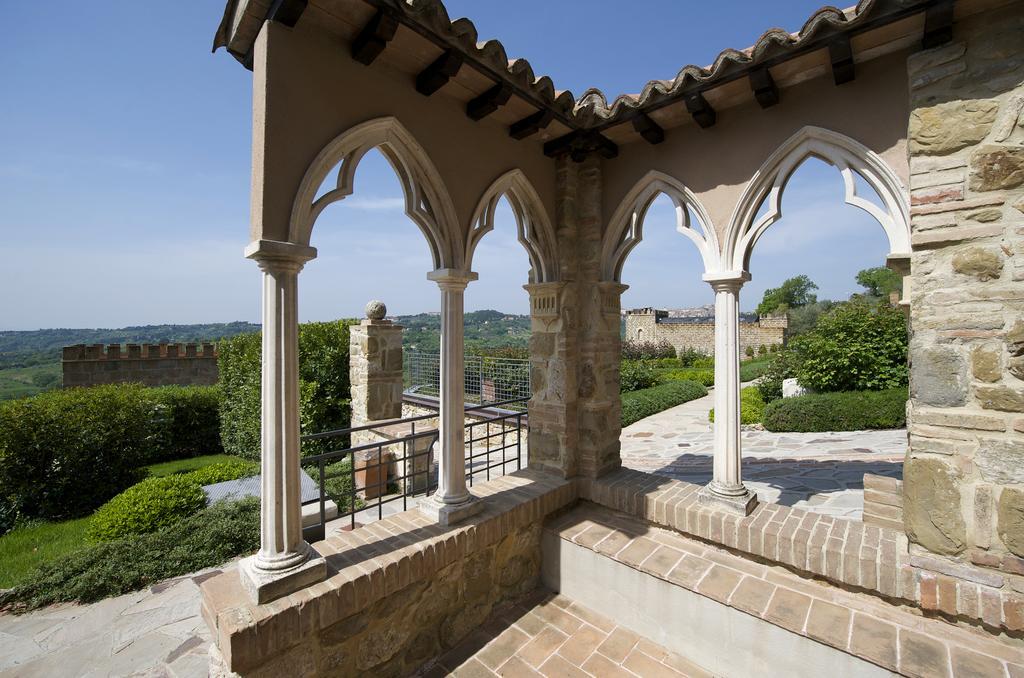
pixel 338 485
pixel 23 549
pixel 752 369
pixel 211 537
pixel 793 293
pixel 168 468
pixel 221 472
pixel 645 402
pixel 749 351
pixel 783 365
pixel 691 357
pixel 762 350
pixel 701 376
pixel 751 406
pixel 324 386
pixel 25 381
pixel 186 422
pixel 845 411
pixel 803 319
pixel 635 375
pixel 484 331
pixel 880 281
pixel 645 350
pixel 147 506
pixel 63 453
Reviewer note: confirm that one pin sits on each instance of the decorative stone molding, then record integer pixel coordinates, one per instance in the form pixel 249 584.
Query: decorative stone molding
pixel 851 158
pixel 533 227
pixel 427 201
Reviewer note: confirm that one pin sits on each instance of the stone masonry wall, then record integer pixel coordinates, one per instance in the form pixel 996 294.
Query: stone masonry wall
pixel 147 364
pixel 701 336
pixel 964 472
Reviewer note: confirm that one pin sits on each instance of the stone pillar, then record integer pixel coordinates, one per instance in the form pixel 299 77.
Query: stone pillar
pixel 375 373
pixel 285 562
pixel 451 502
pixel 726 489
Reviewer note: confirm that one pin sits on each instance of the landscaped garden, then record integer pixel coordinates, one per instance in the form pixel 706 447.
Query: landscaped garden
pixel 103 486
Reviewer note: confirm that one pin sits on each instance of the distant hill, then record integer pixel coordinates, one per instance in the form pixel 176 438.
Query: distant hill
pixel 484 329
pixel 37 347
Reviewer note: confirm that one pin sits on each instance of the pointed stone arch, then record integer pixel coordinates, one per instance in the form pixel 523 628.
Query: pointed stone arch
pixel 533 227
pixel 427 201
pixel 848 156
pixel 625 230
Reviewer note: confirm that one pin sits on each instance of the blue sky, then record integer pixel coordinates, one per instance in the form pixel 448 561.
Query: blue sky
pixel 125 152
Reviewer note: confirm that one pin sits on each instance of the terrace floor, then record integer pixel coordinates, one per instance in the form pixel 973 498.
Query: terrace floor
pixel 820 472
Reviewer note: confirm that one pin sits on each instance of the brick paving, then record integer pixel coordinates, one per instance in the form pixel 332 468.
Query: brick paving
pixel 550 635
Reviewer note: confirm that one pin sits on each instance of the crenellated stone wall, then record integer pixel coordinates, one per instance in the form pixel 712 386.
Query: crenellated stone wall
pixel 648 324
pixel 147 364
pixel 964 472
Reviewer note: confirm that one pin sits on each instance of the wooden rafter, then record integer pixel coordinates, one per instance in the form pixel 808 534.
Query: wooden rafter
pixel 763 85
pixel 530 125
pixel 374 38
pixel 437 74
pixel 488 102
pixel 648 129
pixel 700 109
pixel 840 54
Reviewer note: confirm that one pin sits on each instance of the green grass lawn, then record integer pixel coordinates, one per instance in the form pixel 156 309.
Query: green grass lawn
pixel 23 549
pixel 169 468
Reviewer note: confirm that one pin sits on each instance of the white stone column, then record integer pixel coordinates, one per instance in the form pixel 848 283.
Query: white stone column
pixel 451 502
pixel 285 562
pixel 726 489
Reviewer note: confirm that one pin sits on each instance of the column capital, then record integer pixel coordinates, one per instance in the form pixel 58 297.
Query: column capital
pixel 452 278
pixel 726 281
pixel 277 255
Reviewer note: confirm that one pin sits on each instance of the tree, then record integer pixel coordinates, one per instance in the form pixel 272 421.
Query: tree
pixel 793 293
pixel 880 281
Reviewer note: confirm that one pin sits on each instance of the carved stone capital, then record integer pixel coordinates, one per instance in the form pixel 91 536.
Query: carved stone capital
pixel 452 279
pixel 726 281
pixel 275 256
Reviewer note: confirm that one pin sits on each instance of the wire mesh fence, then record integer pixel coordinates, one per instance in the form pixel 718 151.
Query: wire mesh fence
pixel 487 379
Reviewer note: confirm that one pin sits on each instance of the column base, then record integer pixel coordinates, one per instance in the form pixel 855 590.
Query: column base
pixel 741 504
pixel 263 586
pixel 450 514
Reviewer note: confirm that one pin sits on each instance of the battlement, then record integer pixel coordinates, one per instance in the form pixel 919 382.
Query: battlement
pixel 775 321
pixel 162 364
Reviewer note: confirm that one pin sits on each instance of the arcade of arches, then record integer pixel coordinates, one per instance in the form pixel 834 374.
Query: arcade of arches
pixel 918 101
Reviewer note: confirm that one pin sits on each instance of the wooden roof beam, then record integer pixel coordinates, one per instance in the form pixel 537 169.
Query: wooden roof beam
pixel 581 143
pixel 530 125
pixel 287 12
pixel 763 85
pixel 437 74
pixel 648 129
pixel 840 54
pixel 488 102
pixel 938 24
pixel 374 38
pixel 700 109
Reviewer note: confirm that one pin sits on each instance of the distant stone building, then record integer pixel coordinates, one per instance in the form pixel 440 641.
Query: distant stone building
pixel 695 328
pixel 147 364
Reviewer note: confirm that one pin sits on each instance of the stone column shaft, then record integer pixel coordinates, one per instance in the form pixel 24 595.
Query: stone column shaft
pixel 285 562
pixel 726 488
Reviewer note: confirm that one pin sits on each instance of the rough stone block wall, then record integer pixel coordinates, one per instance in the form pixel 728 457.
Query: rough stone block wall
pixel 375 371
pixel 964 472
pixel 147 364
pixel 766 332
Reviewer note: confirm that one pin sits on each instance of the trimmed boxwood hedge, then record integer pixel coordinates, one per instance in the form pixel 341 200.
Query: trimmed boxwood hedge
pixel 65 452
pixel 843 411
pixel 643 403
pixel 207 539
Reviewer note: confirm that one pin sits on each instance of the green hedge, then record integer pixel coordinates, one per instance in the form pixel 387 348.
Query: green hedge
pixel 639 404
pixel 751 406
pixel 207 539
pixel 159 502
pixel 635 375
pixel 323 388
pixel 701 376
pixel 843 411
pixel 63 453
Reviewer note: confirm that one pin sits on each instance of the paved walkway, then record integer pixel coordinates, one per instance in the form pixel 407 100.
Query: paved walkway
pixel 549 635
pixel 821 472
pixel 154 633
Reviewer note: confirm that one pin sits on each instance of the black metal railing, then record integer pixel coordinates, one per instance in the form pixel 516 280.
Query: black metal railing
pixel 362 478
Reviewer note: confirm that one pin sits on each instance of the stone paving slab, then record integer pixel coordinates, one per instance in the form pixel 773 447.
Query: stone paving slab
pixel 820 472
pixel 550 635
pixel 155 632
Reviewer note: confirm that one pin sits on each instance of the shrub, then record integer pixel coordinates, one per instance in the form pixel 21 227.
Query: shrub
pixel 762 350
pixel 783 365
pixel 211 537
pixel 751 406
pixel 635 375
pixel 324 384
pixel 702 377
pixel 749 351
pixel 844 411
pixel 774 348
pixel 224 471
pixel 645 402
pixel 705 362
pixel 187 422
pixel 63 453
pixel 752 369
pixel 147 506
pixel 642 350
pixel 690 357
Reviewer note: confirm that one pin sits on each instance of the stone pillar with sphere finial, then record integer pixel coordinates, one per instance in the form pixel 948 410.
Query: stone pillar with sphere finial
pixel 375 373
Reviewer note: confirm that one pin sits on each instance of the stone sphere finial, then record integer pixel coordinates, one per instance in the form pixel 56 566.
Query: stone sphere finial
pixel 376 310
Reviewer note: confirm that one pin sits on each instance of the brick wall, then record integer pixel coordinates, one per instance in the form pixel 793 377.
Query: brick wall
pixel 643 326
pixel 964 476
pixel 147 364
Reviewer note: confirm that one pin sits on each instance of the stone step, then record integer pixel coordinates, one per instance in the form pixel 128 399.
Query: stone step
pixel 732 615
